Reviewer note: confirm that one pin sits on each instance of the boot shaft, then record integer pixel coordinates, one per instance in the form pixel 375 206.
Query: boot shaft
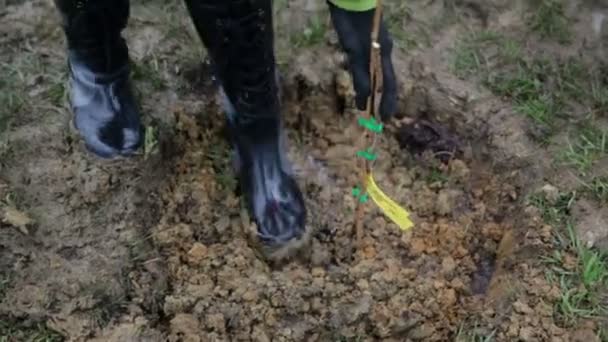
pixel 93 32
pixel 239 37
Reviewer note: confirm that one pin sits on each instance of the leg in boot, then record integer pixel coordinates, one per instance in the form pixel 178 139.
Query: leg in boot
pixel 239 37
pixel 353 21
pixel 105 112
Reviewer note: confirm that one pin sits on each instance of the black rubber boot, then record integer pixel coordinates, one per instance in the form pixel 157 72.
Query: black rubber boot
pixel 105 112
pixel 239 37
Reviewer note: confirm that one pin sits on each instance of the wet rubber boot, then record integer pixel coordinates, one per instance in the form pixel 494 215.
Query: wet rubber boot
pixel 105 111
pixel 238 35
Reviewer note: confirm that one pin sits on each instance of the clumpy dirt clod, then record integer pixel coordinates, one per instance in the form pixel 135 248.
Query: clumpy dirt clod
pixel 157 248
pixel 422 135
pixel 417 285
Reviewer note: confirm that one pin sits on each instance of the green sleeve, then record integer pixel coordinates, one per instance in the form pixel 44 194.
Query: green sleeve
pixel 355 5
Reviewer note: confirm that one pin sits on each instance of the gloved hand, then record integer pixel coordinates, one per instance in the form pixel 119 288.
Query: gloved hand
pixel 354 33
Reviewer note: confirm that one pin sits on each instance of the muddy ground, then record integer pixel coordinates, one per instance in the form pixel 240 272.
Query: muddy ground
pixel 155 249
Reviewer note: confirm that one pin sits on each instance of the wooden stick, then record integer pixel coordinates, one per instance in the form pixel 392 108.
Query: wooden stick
pixel 373 105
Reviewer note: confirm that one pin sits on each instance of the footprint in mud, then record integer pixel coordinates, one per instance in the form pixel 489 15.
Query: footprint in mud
pixel 422 135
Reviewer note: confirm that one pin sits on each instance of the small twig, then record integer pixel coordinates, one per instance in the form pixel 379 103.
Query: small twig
pixel 373 105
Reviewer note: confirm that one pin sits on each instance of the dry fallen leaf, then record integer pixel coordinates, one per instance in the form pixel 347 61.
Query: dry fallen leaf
pixel 17 219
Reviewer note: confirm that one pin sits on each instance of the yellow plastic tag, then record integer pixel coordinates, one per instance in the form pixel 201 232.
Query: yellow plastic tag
pixel 399 215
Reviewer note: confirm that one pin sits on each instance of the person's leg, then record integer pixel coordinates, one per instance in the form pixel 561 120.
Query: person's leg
pixel 239 38
pixel 105 112
pixel 353 21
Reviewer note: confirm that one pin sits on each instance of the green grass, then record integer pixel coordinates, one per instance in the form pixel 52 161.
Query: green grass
pixel 474 334
pixel 549 20
pixel 469 54
pixel 220 157
pixel 436 176
pixel 521 85
pixel 11 103
pixel 541 110
pixel 312 35
pixel 5 280
pixel 570 77
pixel 541 88
pixel 397 16
pixel 583 287
pixel 510 51
pixel 148 71
pixel 150 141
pixel 598 188
pixel 603 334
pixel 598 95
pixel 467 61
pixel 549 90
pixel 554 213
pixel 11 99
pixel 584 284
pixel 23 82
pixel 589 145
pixel 594 270
pixel 498 62
pixel 56 93
pixel 11 332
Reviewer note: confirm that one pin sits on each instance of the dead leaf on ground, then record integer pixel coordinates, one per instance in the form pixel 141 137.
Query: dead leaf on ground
pixel 17 219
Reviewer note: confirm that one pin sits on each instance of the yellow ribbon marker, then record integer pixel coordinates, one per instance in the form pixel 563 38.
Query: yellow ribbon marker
pixel 399 215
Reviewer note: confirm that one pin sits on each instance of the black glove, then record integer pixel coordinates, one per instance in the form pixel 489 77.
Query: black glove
pixel 354 33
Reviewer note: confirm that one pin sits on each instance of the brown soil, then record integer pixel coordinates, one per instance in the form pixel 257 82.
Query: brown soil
pixel 156 248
